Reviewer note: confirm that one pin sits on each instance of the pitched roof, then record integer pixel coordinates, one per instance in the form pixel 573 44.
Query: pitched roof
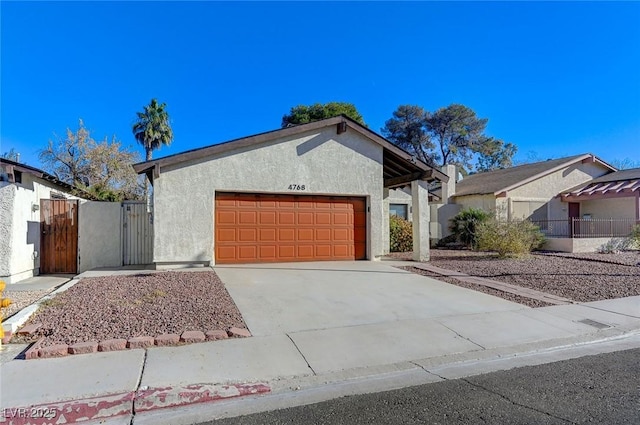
pixel 10 166
pixel 495 182
pixel 398 165
pixel 620 183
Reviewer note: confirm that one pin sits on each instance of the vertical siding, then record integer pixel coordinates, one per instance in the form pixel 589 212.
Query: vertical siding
pixel 137 234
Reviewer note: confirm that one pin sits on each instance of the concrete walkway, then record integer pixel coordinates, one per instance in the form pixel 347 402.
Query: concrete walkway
pixel 394 337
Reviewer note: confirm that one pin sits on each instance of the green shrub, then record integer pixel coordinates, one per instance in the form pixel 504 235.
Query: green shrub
pixel 463 225
pixel 515 238
pixel 400 234
pixel 634 238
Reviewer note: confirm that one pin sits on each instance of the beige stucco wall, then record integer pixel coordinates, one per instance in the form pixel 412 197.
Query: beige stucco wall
pixel 485 202
pixel 99 235
pixel 576 245
pixel 610 208
pixel 549 186
pixel 402 196
pixel 324 162
pixel 20 226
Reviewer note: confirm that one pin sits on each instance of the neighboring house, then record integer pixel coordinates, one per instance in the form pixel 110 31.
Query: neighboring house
pixel 530 190
pixel 45 228
pixel 316 191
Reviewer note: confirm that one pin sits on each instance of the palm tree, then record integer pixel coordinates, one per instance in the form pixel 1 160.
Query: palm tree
pixel 152 129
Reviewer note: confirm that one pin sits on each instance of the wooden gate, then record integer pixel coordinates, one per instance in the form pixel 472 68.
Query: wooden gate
pixel 59 236
pixel 137 233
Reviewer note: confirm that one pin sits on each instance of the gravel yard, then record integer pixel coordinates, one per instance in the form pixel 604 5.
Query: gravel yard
pixel 20 299
pixel 579 277
pixel 121 306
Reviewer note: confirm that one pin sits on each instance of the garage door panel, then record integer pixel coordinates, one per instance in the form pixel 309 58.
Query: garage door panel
pixel 247 217
pixel 226 235
pixel 226 217
pixel 268 235
pixel 323 218
pixel 248 252
pixel 306 235
pixel 268 253
pixel 271 228
pixel 305 219
pixel 287 251
pixel 267 217
pixel 287 218
pixel 248 235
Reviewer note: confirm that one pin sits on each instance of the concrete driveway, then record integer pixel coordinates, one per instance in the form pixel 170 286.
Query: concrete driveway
pixel 292 297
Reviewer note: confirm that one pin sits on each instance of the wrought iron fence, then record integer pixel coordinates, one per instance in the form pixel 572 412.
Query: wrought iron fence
pixel 587 228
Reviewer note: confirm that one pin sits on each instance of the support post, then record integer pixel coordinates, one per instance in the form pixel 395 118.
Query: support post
pixel 421 218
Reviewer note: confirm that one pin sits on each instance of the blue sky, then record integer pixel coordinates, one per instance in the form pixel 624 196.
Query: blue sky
pixel 556 79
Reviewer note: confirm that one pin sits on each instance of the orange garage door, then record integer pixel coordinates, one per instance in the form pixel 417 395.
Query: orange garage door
pixel 252 228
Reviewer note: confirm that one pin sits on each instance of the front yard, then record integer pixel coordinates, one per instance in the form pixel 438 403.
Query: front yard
pixel 120 306
pixel 579 277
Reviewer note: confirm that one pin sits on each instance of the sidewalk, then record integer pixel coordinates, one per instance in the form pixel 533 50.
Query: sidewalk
pixel 198 382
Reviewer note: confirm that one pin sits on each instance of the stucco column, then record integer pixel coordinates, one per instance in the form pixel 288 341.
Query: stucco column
pixel 386 241
pixel 421 216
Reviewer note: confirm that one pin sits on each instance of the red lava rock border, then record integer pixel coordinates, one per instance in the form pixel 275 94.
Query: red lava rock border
pixel 187 337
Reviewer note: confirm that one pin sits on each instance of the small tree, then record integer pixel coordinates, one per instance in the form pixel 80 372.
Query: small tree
pixel 464 224
pixel 400 234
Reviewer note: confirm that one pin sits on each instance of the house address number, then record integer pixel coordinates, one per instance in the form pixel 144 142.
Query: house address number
pixel 297 187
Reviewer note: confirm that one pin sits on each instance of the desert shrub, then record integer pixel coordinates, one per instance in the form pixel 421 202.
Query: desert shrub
pixel 615 245
pixel 514 238
pixel 463 225
pixel 400 234
pixel 634 238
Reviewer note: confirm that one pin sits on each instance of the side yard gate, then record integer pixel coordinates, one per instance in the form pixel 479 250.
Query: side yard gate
pixel 137 233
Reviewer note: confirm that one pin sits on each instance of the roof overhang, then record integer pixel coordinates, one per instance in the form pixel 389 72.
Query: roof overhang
pixel 604 190
pixel 399 167
pixel 10 167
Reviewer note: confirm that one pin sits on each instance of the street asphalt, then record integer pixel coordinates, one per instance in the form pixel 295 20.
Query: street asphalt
pixel 600 389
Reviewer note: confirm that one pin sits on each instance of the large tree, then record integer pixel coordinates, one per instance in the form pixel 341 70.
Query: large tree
pixel 153 129
pixel 457 133
pixel 495 154
pixel 407 130
pixel 303 114
pixel 450 135
pixel 100 168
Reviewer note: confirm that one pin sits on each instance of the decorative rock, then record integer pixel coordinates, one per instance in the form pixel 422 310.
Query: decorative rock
pixel 238 332
pixel 32 352
pixel 83 347
pixel 59 350
pixel 140 342
pixel 29 329
pixel 192 336
pixel 215 335
pixel 167 339
pixel 112 345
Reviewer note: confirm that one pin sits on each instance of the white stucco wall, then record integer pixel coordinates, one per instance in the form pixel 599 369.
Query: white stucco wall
pixel 324 162
pixel 21 225
pixel 99 235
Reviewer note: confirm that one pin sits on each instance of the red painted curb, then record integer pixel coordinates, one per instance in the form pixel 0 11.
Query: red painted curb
pixel 113 405
pixel 68 412
pixel 160 398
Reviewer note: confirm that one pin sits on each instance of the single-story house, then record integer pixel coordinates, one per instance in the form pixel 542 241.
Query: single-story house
pixel 316 191
pixel 46 228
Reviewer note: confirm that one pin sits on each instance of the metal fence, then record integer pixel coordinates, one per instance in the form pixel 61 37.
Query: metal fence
pixel 587 228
